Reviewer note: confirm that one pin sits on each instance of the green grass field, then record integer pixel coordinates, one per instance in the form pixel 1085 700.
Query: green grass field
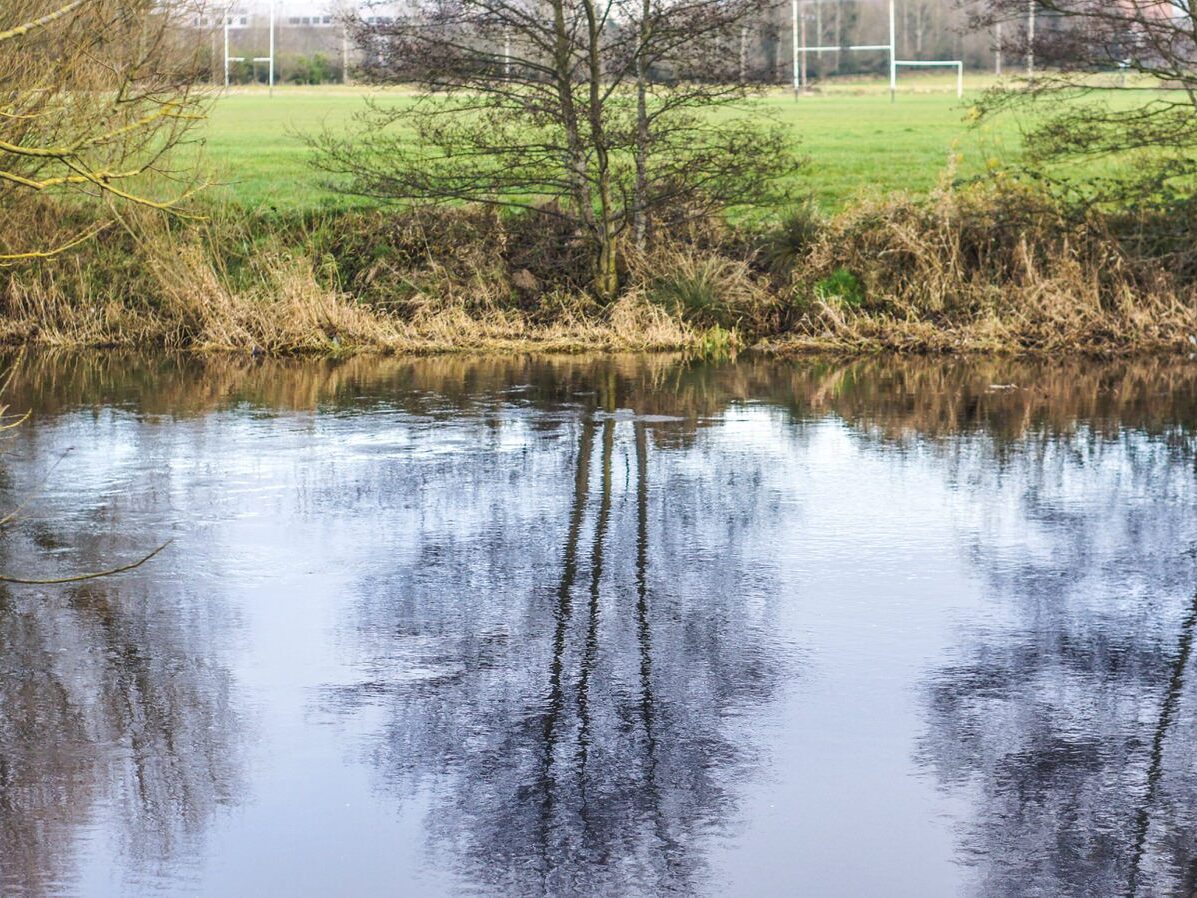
pixel 854 140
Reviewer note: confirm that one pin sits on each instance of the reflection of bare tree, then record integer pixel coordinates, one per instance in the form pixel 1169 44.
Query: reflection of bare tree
pixel 1065 715
pixel 111 706
pixel 555 707
pixel 660 822
pixel 581 740
pixel 1155 768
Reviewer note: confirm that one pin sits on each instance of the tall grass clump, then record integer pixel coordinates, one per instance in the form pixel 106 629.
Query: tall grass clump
pixel 784 246
pixel 707 288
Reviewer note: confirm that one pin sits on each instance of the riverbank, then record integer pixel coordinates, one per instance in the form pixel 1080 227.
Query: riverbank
pixel 993 268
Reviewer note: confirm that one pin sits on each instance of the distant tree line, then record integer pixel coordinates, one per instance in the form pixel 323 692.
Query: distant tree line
pixel 924 29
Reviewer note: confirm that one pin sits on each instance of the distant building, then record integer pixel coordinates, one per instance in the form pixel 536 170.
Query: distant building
pixel 309 14
pixel 311 43
pixel 293 14
pixel 215 16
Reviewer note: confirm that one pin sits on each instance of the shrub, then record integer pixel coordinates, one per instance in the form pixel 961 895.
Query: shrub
pixel 303 69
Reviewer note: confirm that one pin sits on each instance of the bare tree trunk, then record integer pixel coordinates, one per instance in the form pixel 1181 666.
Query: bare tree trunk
pixel 1030 38
pixel 803 76
pixel 743 54
pixel 781 75
pixel 819 36
pixel 606 275
pixel 639 213
pixel 563 75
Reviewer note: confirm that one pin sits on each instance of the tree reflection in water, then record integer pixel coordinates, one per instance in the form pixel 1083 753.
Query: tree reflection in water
pixel 115 718
pixel 105 711
pixel 562 634
pixel 1071 721
pixel 580 730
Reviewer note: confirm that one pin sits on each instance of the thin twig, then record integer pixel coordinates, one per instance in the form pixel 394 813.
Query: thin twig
pixel 91 576
pixel 12 515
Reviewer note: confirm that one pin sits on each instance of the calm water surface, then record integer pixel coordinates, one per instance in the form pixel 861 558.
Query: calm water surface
pixel 621 626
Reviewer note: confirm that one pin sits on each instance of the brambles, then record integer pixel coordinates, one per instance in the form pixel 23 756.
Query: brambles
pixel 1001 268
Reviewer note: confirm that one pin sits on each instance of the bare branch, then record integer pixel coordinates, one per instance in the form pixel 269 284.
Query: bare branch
pixel 25 28
pixel 93 575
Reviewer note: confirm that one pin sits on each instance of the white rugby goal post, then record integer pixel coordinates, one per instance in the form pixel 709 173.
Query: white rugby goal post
pixel 957 64
pixel 254 59
pixel 800 48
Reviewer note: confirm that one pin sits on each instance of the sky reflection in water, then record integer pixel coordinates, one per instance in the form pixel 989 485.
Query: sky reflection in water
pixel 601 626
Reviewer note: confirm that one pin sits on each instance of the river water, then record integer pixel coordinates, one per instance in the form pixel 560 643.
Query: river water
pixel 599 626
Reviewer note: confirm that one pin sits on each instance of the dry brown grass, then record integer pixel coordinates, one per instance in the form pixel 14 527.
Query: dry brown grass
pixel 149 286
pixel 991 269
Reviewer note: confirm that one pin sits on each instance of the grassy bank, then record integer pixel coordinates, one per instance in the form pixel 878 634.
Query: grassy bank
pixel 902 245
pixel 997 267
pixel 331 284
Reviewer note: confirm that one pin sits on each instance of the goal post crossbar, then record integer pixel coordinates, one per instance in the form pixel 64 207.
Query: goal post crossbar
pixel 838 49
pixel 800 49
pixel 956 64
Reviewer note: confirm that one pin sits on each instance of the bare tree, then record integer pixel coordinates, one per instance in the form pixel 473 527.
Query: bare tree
pixel 1085 52
pixel 93 96
pixel 603 107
